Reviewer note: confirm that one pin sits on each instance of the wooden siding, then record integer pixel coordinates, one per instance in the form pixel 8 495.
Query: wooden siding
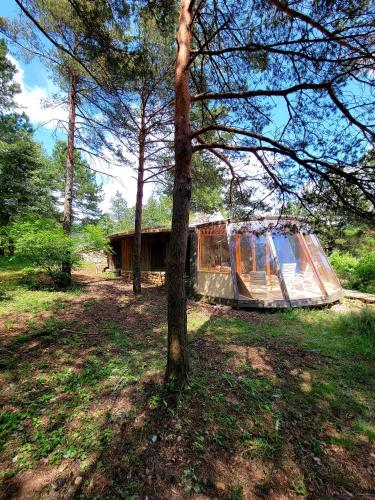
pixel 154 249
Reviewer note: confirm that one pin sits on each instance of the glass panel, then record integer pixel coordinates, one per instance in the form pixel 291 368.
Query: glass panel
pixel 322 265
pixel 255 268
pixel 214 253
pixel 298 272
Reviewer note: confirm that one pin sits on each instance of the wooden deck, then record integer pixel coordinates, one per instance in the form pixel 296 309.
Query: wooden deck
pixel 367 298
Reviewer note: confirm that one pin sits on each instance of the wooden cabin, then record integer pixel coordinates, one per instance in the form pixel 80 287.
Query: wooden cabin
pixel 269 262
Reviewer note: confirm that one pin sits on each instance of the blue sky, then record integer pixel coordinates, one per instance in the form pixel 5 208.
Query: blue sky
pixel 35 85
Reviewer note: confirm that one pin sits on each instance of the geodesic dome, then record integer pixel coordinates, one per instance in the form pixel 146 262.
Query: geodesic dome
pixel 269 262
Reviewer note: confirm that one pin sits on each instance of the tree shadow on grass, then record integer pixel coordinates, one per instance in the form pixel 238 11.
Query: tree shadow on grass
pixel 263 416
pixel 260 419
pixel 60 377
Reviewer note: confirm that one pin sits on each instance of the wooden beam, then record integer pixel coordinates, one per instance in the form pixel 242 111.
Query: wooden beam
pixel 199 251
pixel 232 261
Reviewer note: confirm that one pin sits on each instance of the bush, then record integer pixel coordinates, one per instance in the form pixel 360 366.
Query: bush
pixel 356 273
pixel 94 240
pixel 47 246
pixel 344 264
pixel 364 274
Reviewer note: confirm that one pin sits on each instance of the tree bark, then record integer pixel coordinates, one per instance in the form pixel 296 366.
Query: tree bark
pixel 178 359
pixel 138 212
pixel 69 174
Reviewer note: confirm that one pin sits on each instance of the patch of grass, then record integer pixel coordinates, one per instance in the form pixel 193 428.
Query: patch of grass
pixel 88 304
pixel 365 429
pixel 23 300
pixel 235 492
pixel 117 335
pixel 14 264
pixel 10 422
pixel 46 332
pixel 265 390
pixel 299 487
pixel 345 441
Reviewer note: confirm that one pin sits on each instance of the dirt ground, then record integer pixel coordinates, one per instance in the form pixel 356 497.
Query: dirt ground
pixel 278 406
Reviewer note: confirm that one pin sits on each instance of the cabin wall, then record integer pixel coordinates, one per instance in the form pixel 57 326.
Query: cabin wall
pixel 154 250
pixel 127 254
pixel 214 284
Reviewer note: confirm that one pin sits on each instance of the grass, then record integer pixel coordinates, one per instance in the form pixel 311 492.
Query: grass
pixel 278 402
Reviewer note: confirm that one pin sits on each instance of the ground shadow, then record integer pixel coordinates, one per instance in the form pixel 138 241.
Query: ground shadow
pixel 261 416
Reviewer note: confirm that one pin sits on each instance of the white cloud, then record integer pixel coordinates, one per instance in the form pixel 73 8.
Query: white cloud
pixel 120 178
pixel 31 100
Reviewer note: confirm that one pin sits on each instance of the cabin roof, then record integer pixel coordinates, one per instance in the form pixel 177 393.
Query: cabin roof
pixel 167 229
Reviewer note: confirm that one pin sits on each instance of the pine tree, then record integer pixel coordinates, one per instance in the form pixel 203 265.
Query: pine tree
pixel 87 194
pixel 9 88
pixel 119 207
pixel 258 59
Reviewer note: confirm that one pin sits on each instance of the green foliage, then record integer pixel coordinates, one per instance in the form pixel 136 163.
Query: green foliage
pixel 207 185
pixel 119 207
pixel 8 87
pixel 94 239
pixel 364 274
pixel 344 264
pixel 356 273
pixel 106 223
pixel 47 246
pixel 117 335
pixel 9 422
pixel 157 211
pixel 87 194
pixel 24 177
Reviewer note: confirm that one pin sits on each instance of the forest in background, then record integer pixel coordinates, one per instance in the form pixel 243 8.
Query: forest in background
pixel 32 189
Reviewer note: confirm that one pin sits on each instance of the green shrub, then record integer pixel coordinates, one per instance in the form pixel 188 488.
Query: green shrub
pixel 48 247
pixel 364 274
pixel 94 239
pixel 356 273
pixel 344 264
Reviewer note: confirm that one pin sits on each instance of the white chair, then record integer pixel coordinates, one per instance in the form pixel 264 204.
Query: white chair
pixel 289 274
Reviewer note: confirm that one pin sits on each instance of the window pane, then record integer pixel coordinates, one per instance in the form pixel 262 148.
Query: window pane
pixel 214 253
pixel 256 271
pixel 298 272
pixel 322 265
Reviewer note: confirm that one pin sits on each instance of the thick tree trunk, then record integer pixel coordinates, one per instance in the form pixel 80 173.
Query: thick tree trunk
pixel 138 214
pixel 69 175
pixel 178 358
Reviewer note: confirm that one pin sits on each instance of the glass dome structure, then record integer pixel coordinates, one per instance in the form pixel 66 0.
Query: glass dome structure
pixel 270 262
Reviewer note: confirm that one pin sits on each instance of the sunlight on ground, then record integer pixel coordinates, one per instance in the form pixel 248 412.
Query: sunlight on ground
pixel 279 404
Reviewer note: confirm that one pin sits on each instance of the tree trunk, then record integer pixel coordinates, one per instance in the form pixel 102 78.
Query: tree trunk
pixel 10 247
pixel 138 214
pixel 69 175
pixel 178 358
